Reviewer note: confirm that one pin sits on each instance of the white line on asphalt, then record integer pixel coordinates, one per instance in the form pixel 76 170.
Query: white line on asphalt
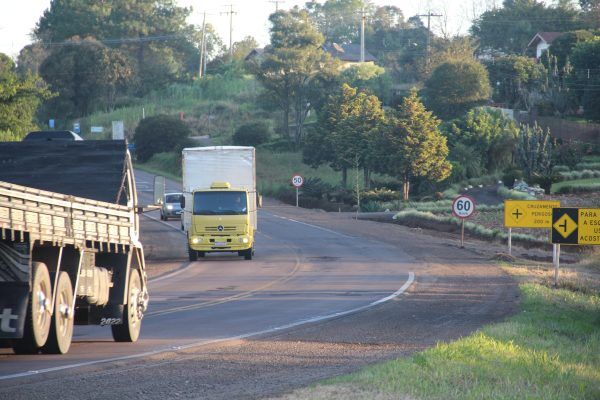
pixel 311 225
pixel 409 281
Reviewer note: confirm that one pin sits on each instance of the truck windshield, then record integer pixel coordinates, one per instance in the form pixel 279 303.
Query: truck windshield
pixel 220 203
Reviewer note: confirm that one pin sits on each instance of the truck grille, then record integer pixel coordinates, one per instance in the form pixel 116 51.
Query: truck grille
pixel 216 229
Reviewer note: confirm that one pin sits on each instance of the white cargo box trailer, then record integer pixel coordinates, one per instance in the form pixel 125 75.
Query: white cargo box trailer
pixel 202 166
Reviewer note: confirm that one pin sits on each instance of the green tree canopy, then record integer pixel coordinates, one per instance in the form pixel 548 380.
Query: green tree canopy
pixel 344 131
pixel 456 86
pixel 86 74
pixel 291 66
pixel 585 78
pixel 338 20
pixel 154 33
pixel 509 29
pixel 514 79
pixel 412 145
pixel 486 133
pixel 20 98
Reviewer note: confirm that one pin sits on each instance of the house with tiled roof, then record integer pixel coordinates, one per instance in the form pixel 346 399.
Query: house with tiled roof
pixel 542 41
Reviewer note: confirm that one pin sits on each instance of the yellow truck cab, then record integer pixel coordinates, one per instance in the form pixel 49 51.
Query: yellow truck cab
pixel 219 200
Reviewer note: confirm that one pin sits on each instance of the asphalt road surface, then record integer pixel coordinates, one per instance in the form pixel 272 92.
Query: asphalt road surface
pixel 324 295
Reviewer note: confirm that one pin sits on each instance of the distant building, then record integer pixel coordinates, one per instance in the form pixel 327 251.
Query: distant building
pixel 542 41
pixel 349 54
pixel 255 53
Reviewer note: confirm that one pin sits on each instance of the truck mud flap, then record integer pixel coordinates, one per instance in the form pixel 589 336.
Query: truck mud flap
pixel 110 314
pixel 13 309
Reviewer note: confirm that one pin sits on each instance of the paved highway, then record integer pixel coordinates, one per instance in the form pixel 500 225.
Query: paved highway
pixel 302 273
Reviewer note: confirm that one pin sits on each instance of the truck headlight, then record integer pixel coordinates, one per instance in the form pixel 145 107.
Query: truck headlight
pixel 169 207
pixel 243 240
pixel 196 240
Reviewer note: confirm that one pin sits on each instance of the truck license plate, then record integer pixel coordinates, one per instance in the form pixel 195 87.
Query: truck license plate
pixel 220 244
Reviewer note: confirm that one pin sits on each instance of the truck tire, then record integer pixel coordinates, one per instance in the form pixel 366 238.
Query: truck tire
pixel 61 329
pixel 248 254
pixel 38 320
pixel 129 330
pixel 193 254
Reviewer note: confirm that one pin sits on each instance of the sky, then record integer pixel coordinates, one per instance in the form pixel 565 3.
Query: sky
pixel 18 19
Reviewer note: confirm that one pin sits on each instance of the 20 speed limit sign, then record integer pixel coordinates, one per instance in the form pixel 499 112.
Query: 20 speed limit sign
pixel 463 206
pixel 297 180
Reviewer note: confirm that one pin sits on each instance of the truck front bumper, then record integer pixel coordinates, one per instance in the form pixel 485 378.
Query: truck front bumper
pixel 215 243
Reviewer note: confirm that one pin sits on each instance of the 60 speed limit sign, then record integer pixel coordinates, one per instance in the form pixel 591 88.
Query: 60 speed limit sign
pixel 463 206
pixel 297 180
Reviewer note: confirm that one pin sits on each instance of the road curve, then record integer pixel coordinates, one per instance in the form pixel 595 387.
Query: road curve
pixel 302 273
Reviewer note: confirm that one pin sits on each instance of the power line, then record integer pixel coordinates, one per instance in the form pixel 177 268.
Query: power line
pixel 230 13
pixel 429 15
pixel 277 3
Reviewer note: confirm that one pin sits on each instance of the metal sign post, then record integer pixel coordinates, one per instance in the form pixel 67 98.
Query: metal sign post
pixel 297 181
pixel 463 207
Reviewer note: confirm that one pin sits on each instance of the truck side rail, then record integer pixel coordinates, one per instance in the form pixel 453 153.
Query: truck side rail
pixel 63 219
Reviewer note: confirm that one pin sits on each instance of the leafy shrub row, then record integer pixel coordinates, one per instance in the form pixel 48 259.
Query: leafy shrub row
pixel 583 174
pixel 578 188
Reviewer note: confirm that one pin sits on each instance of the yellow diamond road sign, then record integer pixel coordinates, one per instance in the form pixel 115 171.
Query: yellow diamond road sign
pixel 529 213
pixel 565 226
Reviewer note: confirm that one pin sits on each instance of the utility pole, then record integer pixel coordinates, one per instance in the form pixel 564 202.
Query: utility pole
pixel 230 12
pixel 363 17
pixel 277 3
pixel 429 15
pixel 202 47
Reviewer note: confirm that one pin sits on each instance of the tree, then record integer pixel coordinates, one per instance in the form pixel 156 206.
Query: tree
pixel 534 151
pixel 147 31
pixel 563 45
pixel 488 136
pixel 359 117
pixel 515 79
pixel 291 64
pixel 510 28
pixel 86 74
pixel 158 134
pixel 344 130
pixel 20 98
pixel 456 86
pixel 412 146
pixel 585 79
pixel 338 20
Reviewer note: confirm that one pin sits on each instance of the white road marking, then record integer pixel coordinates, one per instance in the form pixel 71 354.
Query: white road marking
pixel 409 281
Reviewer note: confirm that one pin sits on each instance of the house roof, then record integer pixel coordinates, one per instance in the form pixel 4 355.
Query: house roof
pixel 256 52
pixel 347 52
pixel 547 37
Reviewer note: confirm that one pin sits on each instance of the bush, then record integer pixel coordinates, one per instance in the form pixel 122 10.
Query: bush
pixel 252 134
pixel 510 176
pixel 160 134
pixel 380 195
pixel 509 194
pixel 578 189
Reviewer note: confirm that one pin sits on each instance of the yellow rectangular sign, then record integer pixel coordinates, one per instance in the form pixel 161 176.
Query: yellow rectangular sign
pixel 589 226
pixel 529 213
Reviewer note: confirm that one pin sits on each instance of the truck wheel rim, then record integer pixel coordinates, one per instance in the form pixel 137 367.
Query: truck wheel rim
pixel 42 318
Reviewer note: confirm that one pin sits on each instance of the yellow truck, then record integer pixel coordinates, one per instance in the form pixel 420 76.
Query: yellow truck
pixel 219 200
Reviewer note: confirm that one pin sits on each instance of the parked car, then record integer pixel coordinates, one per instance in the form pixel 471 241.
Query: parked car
pixel 52 135
pixel 171 206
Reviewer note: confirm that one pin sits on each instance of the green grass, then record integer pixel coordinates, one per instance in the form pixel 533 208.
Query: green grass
pixel 551 350
pixel 578 182
pixel 274 170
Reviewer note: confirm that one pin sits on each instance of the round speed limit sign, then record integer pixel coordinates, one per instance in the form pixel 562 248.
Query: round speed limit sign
pixel 463 206
pixel 297 181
